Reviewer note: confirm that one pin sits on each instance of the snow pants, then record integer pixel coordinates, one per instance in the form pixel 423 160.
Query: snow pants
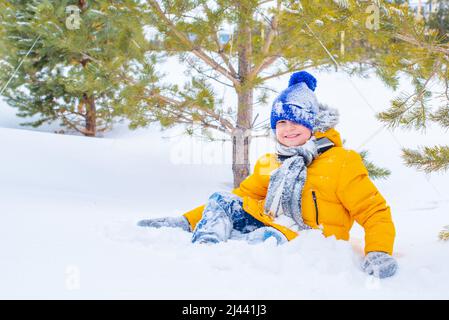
pixel 224 218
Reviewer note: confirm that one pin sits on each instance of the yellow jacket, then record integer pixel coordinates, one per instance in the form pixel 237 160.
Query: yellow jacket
pixel 343 192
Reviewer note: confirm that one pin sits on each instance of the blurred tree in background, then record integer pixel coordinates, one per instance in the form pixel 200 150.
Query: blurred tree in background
pixel 80 60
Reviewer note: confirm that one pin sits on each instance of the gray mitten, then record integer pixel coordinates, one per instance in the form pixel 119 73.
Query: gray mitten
pixel 379 264
pixel 171 222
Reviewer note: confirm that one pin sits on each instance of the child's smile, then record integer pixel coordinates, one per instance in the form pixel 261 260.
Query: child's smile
pixel 292 134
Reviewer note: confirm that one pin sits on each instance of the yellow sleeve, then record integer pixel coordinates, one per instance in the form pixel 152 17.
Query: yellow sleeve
pixel 365 204
pixel 254 186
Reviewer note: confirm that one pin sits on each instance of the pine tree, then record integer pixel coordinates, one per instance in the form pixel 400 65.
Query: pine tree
pixel 85 63
pixel 429 102
pixel 243 44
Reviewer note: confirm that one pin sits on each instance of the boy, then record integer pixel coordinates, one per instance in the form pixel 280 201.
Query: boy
pixel 310 182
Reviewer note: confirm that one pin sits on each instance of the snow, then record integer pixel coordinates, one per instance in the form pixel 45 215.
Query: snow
pixel 98 12
pixel 286 221
pixel 278 108
pixel 69 206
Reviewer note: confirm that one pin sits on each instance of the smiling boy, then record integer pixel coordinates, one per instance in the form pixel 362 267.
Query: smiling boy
pixel 311 181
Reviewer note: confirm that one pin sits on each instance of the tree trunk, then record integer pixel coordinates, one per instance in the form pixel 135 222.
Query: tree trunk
pixel 91 116
pixel 82 4
pixel 241 137
pixel 89 101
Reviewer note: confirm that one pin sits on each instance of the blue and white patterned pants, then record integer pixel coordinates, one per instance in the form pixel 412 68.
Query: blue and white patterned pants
pixel 223 215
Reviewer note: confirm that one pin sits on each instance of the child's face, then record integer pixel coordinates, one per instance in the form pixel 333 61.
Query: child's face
pixel 292 134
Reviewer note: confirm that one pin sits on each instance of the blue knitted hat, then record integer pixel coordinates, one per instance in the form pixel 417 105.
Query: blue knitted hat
pixel 297 103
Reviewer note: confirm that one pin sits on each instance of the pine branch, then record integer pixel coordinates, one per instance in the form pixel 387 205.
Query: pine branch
pixel 71 124
pixel 225 59
pixel 225 127
pixel 220 52
pixel 374 171
pixel 396 115
pixel 444 234
pixel 428 159
pixel 441 116
pixel 444 48
pixel 204 72
pixel 182 118
pixel 291 69
pixel 197 51
pixel 267 61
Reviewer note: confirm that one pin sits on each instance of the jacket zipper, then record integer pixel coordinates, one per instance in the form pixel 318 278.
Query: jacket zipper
pixel 316 207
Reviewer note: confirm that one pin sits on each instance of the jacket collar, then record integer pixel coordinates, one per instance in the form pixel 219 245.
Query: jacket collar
pixel 332 135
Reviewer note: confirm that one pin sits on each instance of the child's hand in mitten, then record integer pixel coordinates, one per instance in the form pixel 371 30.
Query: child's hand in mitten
pixel 379 264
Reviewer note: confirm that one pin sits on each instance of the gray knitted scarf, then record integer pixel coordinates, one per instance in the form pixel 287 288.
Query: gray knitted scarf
pixel 286 182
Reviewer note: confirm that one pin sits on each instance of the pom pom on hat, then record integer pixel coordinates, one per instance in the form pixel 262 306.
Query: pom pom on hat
pixel 298 102
pixel 303 76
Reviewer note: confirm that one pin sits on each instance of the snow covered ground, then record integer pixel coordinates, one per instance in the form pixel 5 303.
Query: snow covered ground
pixel 68 207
